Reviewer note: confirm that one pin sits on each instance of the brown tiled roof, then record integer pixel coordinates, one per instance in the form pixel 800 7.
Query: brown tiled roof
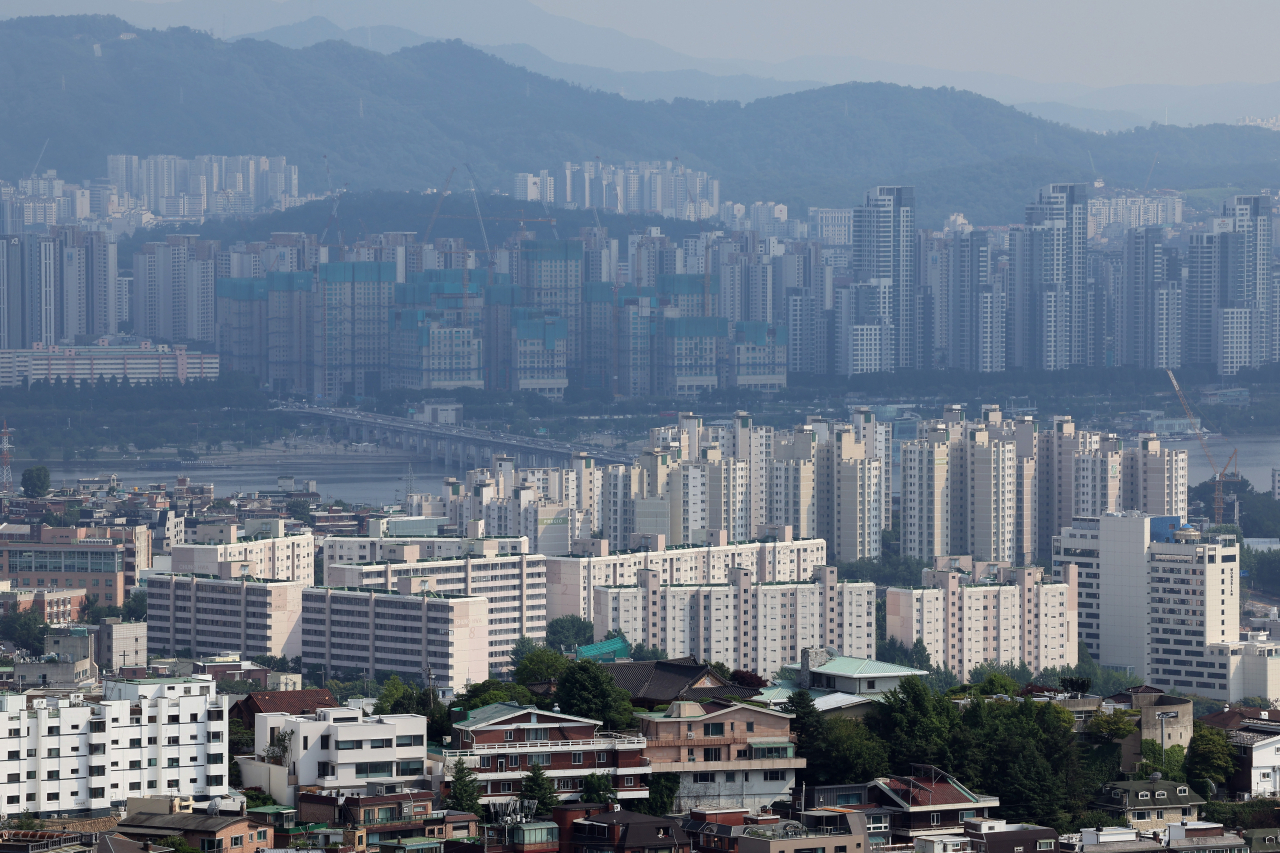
pixel 289 701
pixel 668 680
pixel 938 793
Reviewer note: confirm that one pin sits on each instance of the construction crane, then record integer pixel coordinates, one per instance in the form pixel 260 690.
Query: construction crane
pixel 426 237
pixel 1219 475
pixel 333 214
pixel 475 199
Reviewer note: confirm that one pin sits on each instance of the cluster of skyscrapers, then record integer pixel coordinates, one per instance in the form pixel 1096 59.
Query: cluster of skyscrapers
pixel 661 188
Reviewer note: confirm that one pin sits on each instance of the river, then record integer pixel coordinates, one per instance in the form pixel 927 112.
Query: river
pixel 1257 455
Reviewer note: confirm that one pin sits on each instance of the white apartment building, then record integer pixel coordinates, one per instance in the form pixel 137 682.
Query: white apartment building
pixel 338 749
pixel 570 580
pixel 208 616
pixel 971 612
pixel 514 585
pixel 1186 584
pixel 1155 478
pixel 153 737
pixel 1249 666
pixel 443 639
pixel 338 550
pixel 744 623
pixel 290 558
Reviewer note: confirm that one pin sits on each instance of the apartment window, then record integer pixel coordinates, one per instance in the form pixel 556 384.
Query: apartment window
pixel 172 783
pixel 54 731
pixel 486 762
pixel 409 740
pixel 324 741
pixel 13 799
pixel 151 783
pixel 628 781
pixel 173 762
pixel 713 729
pixel 408 768
pixel 15 777
pixel 1142 815
pixel 729 776
pixel 98 770
pixel 775 775
pixel 704 778
pixel 237 841
pixel 506 788
pixel 711 753
pixel 135 786
pixel 509 735
pixel 51 774
pixel 575 758
pixel 1144 795
pixel 537 734
pixel 262 835
pixel 97 749
pixel 53 798
pixel 373 769
pixel 751 725
pixel 53 753
pixel 1044 844
pixel 543 758
pixel 97 793
pixel 135 743
pixel 380 743
pixel 210 844
pixel 935 819
pixel 602 757
pixel 350 744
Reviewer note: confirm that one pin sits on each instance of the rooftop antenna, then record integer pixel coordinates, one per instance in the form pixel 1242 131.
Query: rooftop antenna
pixel 6 459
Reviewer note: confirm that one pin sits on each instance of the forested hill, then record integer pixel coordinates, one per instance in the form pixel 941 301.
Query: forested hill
pixel 401 121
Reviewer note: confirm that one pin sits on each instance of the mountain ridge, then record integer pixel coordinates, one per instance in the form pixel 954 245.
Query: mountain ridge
pixel 403 120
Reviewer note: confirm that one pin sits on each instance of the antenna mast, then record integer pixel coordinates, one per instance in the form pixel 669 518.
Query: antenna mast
pixel 6 460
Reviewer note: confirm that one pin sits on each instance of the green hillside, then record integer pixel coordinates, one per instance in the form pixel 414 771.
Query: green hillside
pixel 436 105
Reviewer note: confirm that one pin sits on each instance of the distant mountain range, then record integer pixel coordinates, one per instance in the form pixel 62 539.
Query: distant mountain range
pixel 401 121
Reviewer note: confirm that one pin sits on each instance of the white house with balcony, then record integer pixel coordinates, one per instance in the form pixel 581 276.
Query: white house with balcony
pixel 336 749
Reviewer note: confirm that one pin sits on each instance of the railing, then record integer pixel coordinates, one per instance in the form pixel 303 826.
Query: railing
pixel 545 746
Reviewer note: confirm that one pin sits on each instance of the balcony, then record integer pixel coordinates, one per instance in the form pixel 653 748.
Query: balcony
pixel 615 742
pixel 699 766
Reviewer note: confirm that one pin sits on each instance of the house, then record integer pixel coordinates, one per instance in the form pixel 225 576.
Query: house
pixel 1149 804
pixel 229 833
pixel 386 812
pixel 601 830
pixel 727 755
pixel 296 702
pixel 737 831
pixel 661 682
pixel 996 836
pixel 900 809
pixel 840 685
pixel 500 742
pixel 1263 840
pixel 1110 839
pixel 1257 766
pixel 1195 836
pixel 336 749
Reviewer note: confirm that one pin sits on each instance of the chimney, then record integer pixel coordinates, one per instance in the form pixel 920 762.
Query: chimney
pixel 244 808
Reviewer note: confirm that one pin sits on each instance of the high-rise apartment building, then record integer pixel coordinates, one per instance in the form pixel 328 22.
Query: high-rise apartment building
pixel 969 612
pixel 1052 325
pixel 189 616
pixel 350 349
pixel 884 247
pixel 746 624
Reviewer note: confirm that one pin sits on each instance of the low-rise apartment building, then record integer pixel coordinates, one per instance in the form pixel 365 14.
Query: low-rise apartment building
pixel 727 755
pixel 571 579
pixel 969 611
pixel 69 558
pixel 202 616
pixel 149 737
pixel 442 639
pixel 339 550
pixel 118 644
pixel 335 749
pixel 515 586
pixel 744 623
pixel 500 742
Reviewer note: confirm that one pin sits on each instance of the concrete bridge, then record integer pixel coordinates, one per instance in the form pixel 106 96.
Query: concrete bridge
pixel 452 445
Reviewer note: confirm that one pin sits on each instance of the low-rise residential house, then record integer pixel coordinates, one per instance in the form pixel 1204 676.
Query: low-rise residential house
pixel 727 755
pixel 598 829
pixel 900 809
pixel 737 831
pixel 385 812
pixel 336 749
pixel 661 682
pixel 208 833
pixel 1265 840
pixel 1109 839
pixel 1150 804
pixel 840 685
pixel 281 702
pixel 1257 747
pixel 996 836
pixel 1197 836
pixel 500 742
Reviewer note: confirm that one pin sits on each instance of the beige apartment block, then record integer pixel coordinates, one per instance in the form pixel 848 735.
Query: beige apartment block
pixel 971 612
pixel 570 580
pixel 208 616
pixel 744 623
pixel 289 558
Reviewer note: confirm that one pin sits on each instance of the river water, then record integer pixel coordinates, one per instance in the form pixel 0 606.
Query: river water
pixel 354 478
pixel 1256 455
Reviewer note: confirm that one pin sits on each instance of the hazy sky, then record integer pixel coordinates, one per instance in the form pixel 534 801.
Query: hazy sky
pixel 1079 41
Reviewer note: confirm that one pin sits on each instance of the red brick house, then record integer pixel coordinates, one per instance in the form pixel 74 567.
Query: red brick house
pixel 296 702
pixel 501 742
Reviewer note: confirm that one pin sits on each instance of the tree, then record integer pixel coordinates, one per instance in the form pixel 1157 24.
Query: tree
pixel 721 670
pixel 178 844
pixel 1170 762
pixel 1075 683
pixel 807 722
pixel 464 791
pixel 569 632
pixel 393 695
pixel 35 482
pixel 598 788
pixel 642 652
pixel 541 664
pixel 299 509
pixel 662 795
pixel 997 683
pixel 849 753
pixel 25 628
pixel 1114 726
pixel 256 798
pixel 1209 755
pixel 747 678
pixel 523 646
pixel 134 608
pixel 537 785
pixel 586 689
pixel 919 655
pixel 239 739
pixel 237 685
pixel 1258 702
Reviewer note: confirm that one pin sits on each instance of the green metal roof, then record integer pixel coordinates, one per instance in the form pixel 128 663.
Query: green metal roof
pixel 862 668
pixel 610 648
